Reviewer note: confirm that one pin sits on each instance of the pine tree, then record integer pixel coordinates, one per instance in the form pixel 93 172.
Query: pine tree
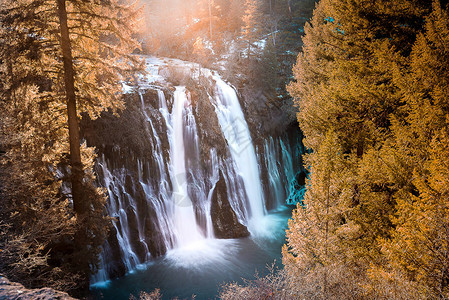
pixel 419 241
pixel 345 83
pixel 343 75
pixel 268 68
pixel 321 225
pixel 234 18
pixel 252 24
pixel 33 136
pixel 37 64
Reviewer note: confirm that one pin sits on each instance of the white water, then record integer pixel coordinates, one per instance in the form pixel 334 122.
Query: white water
pixel 117 210
pixel 287 161
pixel 186 229
pixel 159 200
pixel 271 150
pixel 237 134
pixel 181 125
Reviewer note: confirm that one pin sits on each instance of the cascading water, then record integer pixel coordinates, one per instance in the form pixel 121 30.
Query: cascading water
pixel 277 184
pixel 237 134
pixel 287 161
pixel 161 203
pixel 184 217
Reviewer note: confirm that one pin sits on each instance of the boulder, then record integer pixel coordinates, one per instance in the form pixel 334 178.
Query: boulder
pixel 11 291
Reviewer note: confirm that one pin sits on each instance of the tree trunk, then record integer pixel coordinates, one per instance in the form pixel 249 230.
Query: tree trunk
pixel 326 245
pixel 74 133
pixel 210 19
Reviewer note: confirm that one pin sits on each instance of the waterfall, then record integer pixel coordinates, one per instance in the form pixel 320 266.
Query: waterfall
pixel 119 209
pixel 287 161
pixel 237 134
pixel 274 169
pixel 161 202
pixel 185 223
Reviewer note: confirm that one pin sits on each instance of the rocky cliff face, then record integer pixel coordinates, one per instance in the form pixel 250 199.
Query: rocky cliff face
pixel 136 153
pixel 15 291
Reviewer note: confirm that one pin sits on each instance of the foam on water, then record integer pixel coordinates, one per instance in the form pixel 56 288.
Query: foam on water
pixel 200 267
pixel 201 254
pixel 268 227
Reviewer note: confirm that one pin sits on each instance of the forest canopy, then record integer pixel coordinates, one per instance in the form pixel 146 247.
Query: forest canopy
pixel 371 87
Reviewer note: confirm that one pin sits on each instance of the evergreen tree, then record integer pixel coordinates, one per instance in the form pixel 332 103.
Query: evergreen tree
pixel 345 83
pixel 419 244
pixel 69 58
pixel 252 24
pixel 234 17
pixel 268 66
pixel 320 226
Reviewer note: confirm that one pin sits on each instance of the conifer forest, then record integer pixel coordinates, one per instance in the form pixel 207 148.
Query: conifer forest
pixel 224 149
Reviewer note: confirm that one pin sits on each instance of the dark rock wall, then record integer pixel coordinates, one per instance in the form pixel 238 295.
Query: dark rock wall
pixel 225 222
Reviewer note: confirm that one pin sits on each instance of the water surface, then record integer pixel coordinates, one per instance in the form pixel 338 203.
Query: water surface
pixel 201 267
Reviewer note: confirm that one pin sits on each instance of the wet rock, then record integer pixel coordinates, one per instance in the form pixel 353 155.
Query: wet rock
pixel 133 227
pixel 267 191
pixel 301 179
pixel 150 97
pixel 224 219
pixel 115 266
pixel 209 129
pixel 141 201
pixel 129 184
pixel 154 237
